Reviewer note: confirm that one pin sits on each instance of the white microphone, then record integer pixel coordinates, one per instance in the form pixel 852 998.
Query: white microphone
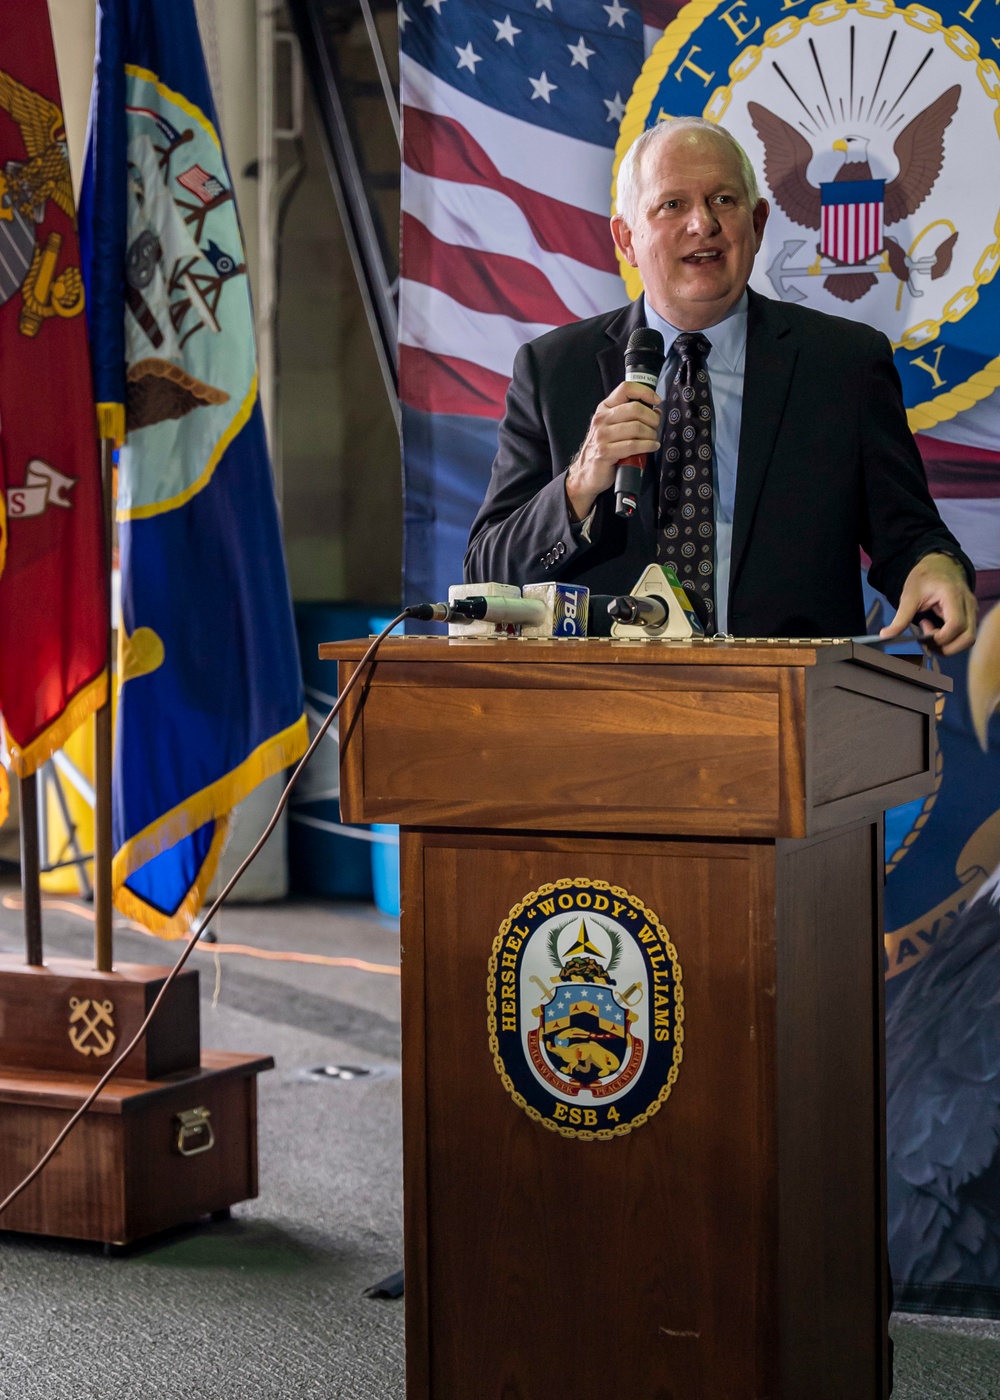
pixel 544 611
pixel 518 611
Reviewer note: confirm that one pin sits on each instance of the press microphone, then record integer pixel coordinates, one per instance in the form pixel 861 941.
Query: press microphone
pixel 539 612
pixel 658 608
pixel 504 610
pixel 429 612
pixel 650 611
pixel 643 362
pixel 504 613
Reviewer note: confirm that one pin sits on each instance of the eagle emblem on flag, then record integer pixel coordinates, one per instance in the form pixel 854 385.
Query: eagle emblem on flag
pixel 874 131
pixel 26 186
pixel 852 210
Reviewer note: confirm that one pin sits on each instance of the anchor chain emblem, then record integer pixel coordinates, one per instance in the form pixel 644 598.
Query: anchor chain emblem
pixel 86 1019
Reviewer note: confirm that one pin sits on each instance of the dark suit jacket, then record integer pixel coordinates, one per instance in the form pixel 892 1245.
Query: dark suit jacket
pixel 826 463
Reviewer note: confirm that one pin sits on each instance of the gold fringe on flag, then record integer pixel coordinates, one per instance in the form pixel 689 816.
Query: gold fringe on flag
pixel 215 801
pixel 177 924
pixel 28 760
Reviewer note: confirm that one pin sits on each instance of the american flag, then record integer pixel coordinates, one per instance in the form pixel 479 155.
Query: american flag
pixel 510 117
pixel 207 187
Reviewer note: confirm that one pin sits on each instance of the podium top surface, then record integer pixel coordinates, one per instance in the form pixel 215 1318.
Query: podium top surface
pixel 605 651
pixel 763 738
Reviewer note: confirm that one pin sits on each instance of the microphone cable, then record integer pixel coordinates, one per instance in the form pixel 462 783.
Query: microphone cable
pixel 109 1073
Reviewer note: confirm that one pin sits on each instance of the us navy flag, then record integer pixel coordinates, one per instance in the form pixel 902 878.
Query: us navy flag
pixel 210 691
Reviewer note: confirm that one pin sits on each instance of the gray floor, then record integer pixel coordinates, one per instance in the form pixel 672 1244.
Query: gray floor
pixel 270 1304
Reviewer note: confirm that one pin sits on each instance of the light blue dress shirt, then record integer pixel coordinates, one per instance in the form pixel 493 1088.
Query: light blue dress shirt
pixel 725 366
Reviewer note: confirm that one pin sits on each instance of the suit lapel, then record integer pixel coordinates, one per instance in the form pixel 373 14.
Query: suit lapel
pixel 770 361
pixel 611 358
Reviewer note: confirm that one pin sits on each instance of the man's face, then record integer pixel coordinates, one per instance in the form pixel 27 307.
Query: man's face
pixel 695 235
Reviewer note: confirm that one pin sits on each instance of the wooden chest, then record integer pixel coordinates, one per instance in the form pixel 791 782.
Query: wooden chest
pixel 147 1155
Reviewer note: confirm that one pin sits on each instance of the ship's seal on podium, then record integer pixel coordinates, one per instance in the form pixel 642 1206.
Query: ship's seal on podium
pixel 585 1009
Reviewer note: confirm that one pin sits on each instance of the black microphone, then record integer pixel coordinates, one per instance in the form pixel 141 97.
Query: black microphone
pixel 643 361
pixel 649 611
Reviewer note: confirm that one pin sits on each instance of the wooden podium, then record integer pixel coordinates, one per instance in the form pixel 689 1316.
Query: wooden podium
pixel 724 1243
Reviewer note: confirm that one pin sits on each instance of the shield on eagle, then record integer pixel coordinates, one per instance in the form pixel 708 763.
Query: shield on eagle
pixel 852 219
pixel 17 247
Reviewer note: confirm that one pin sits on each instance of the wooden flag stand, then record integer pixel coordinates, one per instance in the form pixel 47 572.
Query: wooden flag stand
pixel 173 1137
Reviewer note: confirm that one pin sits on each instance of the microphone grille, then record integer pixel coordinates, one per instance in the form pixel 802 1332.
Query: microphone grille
pixel 644 353
pixel 645 340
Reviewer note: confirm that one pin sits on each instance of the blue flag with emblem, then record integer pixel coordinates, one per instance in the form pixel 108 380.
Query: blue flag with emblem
pixel 209 684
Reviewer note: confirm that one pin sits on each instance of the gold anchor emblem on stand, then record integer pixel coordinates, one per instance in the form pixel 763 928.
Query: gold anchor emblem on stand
pixel 86 1018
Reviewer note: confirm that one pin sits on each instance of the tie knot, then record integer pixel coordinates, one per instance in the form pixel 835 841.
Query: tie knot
pixel 693 346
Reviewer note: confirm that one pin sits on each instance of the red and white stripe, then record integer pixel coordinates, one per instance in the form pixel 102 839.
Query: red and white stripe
pixel 852 233
pixel 505 235
pixel 964 480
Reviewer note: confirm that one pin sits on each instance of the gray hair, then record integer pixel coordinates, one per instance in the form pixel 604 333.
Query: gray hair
pixel 627 188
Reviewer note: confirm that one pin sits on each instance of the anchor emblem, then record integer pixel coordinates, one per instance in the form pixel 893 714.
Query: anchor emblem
pixel 85 1022
pixel 890 264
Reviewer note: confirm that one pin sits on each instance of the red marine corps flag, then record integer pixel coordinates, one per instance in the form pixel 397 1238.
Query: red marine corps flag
pixel 53 630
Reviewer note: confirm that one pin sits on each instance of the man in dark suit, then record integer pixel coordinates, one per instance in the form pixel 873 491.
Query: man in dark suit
pixel 810 457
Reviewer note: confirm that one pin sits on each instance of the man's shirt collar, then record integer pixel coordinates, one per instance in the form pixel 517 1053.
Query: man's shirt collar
pixel 728 339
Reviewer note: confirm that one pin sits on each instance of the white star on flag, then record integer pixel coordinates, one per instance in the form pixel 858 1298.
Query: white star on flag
pixel 543 5
pixel 616 13
pixel 506 31
pixel 402 17
pixel 435 5
pixel 468 58
pixel 542 88
pixel 615 106
pixel 580 53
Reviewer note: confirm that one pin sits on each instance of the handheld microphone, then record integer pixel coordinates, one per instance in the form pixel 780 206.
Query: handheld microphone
pixel 643 361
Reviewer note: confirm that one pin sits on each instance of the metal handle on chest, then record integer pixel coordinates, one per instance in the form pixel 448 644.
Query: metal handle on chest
pixel 194 1131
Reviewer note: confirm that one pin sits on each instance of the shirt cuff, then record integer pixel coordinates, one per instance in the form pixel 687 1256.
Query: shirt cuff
pixel 581 528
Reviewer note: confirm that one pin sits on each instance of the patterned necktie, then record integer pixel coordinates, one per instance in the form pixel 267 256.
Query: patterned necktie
pixel 687 507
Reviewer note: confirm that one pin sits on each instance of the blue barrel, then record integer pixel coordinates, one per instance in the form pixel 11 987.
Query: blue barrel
pixel 385 853
pixel 385 868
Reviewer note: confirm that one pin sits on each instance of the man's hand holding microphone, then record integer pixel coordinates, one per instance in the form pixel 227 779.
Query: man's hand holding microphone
pixel 625 426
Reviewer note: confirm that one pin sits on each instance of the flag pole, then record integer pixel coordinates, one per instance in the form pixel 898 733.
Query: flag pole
pixel 31 870
pixel 103 951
